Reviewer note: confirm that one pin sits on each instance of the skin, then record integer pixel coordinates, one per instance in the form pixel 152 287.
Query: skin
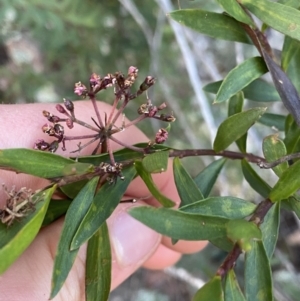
pixel 29 277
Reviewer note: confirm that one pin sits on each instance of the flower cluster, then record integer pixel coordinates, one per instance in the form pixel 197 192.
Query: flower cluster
pixel 102 131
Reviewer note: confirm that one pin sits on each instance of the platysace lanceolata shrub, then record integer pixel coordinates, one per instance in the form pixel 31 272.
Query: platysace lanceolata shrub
pixel 237 226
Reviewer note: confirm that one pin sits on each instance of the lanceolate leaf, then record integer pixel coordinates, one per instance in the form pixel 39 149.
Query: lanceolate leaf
pixel 273 120
pixel 15 240
pixel 146 177
pixel 288 183
pixel 283 18
pixel 235 10
pixel 180 225
pixel 103 205
pixel 285 87
pixel 186 187
pixel 156 162
pixel 269 229
pixel 122 154
pixel 212 24
pixel 38 163
pixel 235 127
pixel 56 209
pixel 240 77
pixel 290 48
pixel 293 204
pixel 223 206
pixel 291 3
pixel 235 105
pixel 274 149
pixel 98 266
pixel 292 135
pixel 258 90
pixel 232 290
pixel 65 258
pixel 206 179
pixel 258 281
pixel 255 181
pixel 212 290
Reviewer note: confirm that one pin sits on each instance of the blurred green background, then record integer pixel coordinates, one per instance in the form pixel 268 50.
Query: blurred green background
pixel 47 46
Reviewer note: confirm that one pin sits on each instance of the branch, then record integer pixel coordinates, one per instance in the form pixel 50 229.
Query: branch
pixel 210 152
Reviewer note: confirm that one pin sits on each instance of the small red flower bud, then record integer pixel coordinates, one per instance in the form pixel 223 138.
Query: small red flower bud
pixel 58 129
pixel 69 123
pixel 60 109
pixel 133 71
pixel 48 129
pixel 69 105
pixel 148 82
pixel 167 118
pixel 41 145
pixel 161 136
pixel 152 111
pixel 46 113
pixel 95 79
pixel 80 89
pixel 162 106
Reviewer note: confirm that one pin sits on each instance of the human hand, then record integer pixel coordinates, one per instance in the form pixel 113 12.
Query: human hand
pixel 133 244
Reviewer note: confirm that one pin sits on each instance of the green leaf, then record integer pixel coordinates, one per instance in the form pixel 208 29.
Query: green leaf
pixel 56 209
pixel 232 290
pixel 235 127
pixel 288 183
pixel 235 10
pixel 64 257
pixel 258 279
pixel 206 179
pixel 98 266
pixel 235 105
pixel 212 290
pixel 241 76
pixel 212 24
pixel 292 135
pixel 283 18
pixel 186 187
pixel 72 189
pixel 243 232
pixel 103 205
pixel 223 206
pixel 146 177
pixel 293 204
pixel 222 243
pixel 274 149
pixel 273 120
pixel 269 229
pixel 258 90
pixel 123 154
pixel 289 50
pixel 180 225
pixel 156 163
pixel 15 240
pixel 292 3
pixel 293 70
pixel 284 87
pixel 255 181
pixel 38 163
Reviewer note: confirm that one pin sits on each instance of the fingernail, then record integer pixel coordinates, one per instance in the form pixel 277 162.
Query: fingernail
pixel 132 241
